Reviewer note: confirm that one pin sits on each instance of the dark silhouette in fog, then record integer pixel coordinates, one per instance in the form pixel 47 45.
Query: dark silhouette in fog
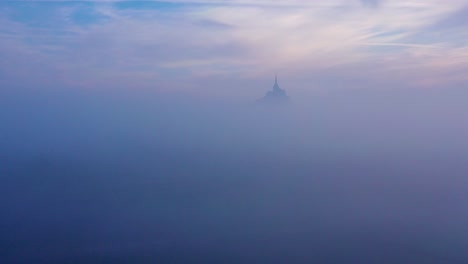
pixel 276 95
pixel 139 132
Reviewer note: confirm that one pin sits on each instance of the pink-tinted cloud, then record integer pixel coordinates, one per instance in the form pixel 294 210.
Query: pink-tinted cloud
pixel 169 48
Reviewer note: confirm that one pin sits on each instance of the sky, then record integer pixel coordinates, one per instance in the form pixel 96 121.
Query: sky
pixel 360 73
pixel 129 131
pixel 233 48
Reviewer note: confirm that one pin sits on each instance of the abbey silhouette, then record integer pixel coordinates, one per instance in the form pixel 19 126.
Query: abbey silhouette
pixel 276 95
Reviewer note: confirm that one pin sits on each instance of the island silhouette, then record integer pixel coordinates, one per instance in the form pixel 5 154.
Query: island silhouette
pixel 276 95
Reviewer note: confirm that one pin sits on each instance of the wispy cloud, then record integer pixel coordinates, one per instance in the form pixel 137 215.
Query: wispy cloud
pixel 102 41
pixel 371 3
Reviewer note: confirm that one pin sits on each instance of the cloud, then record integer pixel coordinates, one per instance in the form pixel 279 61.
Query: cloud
pixel 456 19
pixel 103 44
pixel 371 3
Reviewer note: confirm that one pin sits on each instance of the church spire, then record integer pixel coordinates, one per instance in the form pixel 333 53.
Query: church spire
pixel 276 95
pixel 276 86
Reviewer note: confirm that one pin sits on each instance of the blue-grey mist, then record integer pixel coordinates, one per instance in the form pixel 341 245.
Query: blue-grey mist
pixel 352 176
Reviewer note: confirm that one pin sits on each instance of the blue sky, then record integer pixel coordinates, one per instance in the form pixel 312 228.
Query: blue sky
pixel 184 45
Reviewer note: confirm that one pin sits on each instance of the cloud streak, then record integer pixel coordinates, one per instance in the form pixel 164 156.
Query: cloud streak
pixel 99 42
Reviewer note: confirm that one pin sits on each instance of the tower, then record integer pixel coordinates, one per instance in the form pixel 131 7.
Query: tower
pixel 276 95
pixel 276 86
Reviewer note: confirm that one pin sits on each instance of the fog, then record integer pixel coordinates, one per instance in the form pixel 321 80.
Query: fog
pixel 349 176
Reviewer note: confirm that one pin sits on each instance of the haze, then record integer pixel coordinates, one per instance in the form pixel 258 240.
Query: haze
pixel 131 132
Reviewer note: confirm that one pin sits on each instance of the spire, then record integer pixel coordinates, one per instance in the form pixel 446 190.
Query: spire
pixel 276 86
pixel 276 95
